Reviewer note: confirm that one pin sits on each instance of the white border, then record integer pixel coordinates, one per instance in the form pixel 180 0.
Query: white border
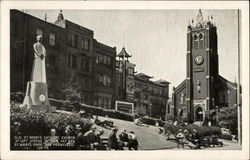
pixel 173 154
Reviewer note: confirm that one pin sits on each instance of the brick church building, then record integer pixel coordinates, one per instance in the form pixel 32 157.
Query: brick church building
pixel 204 90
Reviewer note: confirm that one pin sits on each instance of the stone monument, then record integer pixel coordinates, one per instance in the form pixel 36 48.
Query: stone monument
pixel 36 93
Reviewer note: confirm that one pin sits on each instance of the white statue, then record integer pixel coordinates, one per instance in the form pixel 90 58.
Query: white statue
pixel 38 70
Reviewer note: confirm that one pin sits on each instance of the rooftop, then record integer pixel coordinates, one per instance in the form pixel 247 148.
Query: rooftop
pixel 123 53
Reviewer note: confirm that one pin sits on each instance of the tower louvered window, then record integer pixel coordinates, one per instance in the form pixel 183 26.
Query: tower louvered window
pixel 201 40
pixel 195 41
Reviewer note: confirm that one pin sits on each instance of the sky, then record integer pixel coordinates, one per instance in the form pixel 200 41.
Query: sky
pixel 156 39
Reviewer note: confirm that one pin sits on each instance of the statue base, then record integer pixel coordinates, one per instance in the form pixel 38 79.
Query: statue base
pixel 37 96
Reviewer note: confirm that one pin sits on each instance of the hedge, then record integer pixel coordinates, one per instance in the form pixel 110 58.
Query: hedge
pixel 103 112
pixel 202 131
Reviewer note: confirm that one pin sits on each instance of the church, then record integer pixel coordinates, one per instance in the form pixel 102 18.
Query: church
pixel 204 90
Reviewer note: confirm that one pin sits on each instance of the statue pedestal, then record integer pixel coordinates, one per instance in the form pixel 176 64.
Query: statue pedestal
pixel 37 96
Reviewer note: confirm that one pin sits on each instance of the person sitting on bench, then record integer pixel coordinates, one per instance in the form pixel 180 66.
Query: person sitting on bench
pixel 132 141
pixel 123 137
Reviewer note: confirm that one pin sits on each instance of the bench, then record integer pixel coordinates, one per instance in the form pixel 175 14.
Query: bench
pixel 180 141
pixel 214 141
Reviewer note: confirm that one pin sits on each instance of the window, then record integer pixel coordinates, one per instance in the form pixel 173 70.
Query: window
pixel 73 40
pixel 100 59
pixel 95 102
pixel 105 103
pixel 109 61
pixel 39 32
pixel 97 60
pixel 130 71
pixel 87 83
pixel 87 66
pixel 69 60
pixel 109 104
pixel 82 64
pixel 73 62
pixel 195 42
pixel 198 86
pixel 108 82
pixel 83 44
pixel 100 103
pixel 105 60
pixel 104 80
pixel 100 79
pixel 201 41
pixel 182 98
pixel 201 36
pixel 52 39
pixel 86 44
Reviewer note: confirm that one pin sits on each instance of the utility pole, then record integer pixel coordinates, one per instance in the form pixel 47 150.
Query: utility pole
pixel 238 85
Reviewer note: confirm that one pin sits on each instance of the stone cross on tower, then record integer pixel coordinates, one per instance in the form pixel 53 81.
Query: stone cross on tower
pixel 37 94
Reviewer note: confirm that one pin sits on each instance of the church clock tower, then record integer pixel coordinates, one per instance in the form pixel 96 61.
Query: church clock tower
pixel 202 66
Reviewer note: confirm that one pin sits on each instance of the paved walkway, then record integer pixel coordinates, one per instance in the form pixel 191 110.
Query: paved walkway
pixel 148 137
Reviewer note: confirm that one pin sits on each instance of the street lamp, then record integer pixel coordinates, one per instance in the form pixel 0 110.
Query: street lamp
pixel 217 115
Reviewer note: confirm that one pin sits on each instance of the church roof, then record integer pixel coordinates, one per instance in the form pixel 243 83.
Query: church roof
pixel 123 53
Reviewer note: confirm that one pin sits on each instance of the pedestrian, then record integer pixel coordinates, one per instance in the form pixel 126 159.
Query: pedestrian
pixel 97 121
pixel 132 141
pixel 157 124
pixel 90 137
pixel 80 141
pixel 112 140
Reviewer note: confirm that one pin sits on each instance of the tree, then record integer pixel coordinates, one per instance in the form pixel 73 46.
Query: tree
pixel 228 118
pixel 71 95
pixel 140 110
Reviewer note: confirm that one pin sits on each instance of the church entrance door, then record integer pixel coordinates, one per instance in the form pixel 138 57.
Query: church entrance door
pixel 199 113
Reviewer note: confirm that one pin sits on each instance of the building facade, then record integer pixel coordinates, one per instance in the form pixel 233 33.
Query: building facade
pixel 71 57
pixel 125 81
pixel 151 97
pixel 24 29
pixel 104 75
pixel 204 89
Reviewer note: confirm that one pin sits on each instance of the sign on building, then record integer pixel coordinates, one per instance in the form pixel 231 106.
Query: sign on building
pixel 124 107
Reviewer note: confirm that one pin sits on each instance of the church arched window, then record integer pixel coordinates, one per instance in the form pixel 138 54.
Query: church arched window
pixel 182 98
pixel 195 41
pixel 201 40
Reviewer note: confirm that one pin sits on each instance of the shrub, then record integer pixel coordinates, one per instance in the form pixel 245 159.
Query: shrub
pixel 226 136
pixel 170 118
pixel 38 123
pixel 103 112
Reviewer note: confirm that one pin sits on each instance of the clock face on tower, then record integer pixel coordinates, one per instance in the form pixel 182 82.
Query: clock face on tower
pixel 199 60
